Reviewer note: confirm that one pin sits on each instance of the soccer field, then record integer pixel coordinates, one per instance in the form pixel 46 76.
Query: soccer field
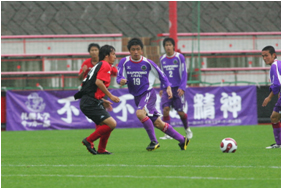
pixel 57 159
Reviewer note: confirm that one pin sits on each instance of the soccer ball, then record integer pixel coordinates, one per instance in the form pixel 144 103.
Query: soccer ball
pixel 228 145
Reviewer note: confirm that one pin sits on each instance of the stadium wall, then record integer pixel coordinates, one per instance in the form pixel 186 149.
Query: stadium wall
pixel 136 18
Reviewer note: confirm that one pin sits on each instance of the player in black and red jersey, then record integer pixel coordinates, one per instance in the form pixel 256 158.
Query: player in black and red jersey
pixel 92 104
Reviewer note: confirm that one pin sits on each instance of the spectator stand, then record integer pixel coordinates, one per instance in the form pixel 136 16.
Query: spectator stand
pixel 48 61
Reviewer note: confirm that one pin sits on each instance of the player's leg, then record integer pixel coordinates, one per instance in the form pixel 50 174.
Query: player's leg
pixel 165 104
pixel 276 125
pixel 103 144
pixel 147 124
pixel 105 127
pixel 97 113
pixel 141 102
pixel 184 119
pixel 169 130
pixel 178 104
pixel 166 119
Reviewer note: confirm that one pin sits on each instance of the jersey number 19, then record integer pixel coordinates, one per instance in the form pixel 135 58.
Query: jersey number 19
pixel 136 81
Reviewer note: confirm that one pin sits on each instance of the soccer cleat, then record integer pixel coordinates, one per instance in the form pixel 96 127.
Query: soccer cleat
pixel 89 147
pixel 165 137
pixel 152 146
pixel 184 145
pixel 189 133
pixel 273 146
pixel 105 153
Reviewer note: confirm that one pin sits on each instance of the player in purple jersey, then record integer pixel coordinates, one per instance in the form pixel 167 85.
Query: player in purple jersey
pixel 139 73
pixel 269 57
pixel 173 65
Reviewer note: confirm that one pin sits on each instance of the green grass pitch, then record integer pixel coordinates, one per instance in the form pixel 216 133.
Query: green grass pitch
pixel 57 159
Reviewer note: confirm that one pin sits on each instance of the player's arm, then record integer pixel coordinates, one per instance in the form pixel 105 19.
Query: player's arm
pixel 267 99
pixel 121 75
pixel 182 88
pixel 274 77
pixel 107 104
pixel 81 72
pixel 161 86
pixel 162 77
pixel 104 89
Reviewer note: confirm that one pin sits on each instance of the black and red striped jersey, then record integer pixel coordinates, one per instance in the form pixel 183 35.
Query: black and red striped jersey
pixel 102 71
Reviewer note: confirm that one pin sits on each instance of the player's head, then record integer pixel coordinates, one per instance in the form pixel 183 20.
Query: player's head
pixel 169 44
pixel 135 47
pixel 93 49
pixel 268 54
pixel 107 53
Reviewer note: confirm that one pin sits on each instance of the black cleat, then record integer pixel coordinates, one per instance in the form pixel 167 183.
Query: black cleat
pixel 105 153
pixel 89 147
pixel 153 146
pixel 184 145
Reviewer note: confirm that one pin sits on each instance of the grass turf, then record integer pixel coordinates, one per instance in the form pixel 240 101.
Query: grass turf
pixel 57 159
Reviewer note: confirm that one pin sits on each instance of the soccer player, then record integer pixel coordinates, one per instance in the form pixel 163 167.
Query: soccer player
pixel 139 73
pixel 92 103
pixel 269 57
pixel 173 65
pixel 93 49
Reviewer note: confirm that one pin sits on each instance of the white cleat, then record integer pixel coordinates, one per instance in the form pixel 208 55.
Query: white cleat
pixel 165 137
pixel 273 146
pixel 189 133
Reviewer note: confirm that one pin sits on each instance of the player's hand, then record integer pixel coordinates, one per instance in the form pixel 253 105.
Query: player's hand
pixel 114 98
pixel 161 93
pixel 107 104
pixel 169 93
pixel 266 101
pixel 84 68
pixel 180 92
pixel 123 82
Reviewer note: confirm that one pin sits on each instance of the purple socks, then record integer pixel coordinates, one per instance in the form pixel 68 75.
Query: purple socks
pixel 149 127
pixel 169 130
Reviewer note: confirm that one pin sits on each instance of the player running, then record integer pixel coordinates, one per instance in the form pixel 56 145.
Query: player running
pixel 92 103
pixel 173 65
pixel 139 73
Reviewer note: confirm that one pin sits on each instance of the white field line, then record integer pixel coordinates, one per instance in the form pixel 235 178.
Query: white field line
pixel 138 177
pixel 159 166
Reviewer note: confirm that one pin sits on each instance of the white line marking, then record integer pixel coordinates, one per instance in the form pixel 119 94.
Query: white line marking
pixel 140 177
pixel 165 166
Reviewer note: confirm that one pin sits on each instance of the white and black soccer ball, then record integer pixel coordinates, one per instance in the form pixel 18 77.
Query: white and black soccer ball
pixel 228 145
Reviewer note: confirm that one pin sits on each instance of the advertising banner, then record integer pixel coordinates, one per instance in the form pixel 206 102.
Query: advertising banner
pixel 205 106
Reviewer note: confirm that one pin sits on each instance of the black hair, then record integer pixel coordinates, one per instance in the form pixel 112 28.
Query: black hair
pixel 104 51
pixel 93 45
pixel 134 41
pixel 270 49
pixel 167 40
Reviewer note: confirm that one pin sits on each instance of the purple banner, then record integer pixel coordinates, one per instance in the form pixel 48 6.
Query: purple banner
pixel 205 106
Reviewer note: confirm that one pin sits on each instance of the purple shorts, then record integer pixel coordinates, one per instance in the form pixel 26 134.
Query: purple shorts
pixel 148 100
pixel 277 107
pixel 176 102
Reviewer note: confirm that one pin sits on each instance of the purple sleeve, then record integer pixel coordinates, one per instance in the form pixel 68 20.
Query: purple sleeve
pixel 274 77
pixel 161 67
pixel 160 74
pixel 121 71
pixel 183 81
